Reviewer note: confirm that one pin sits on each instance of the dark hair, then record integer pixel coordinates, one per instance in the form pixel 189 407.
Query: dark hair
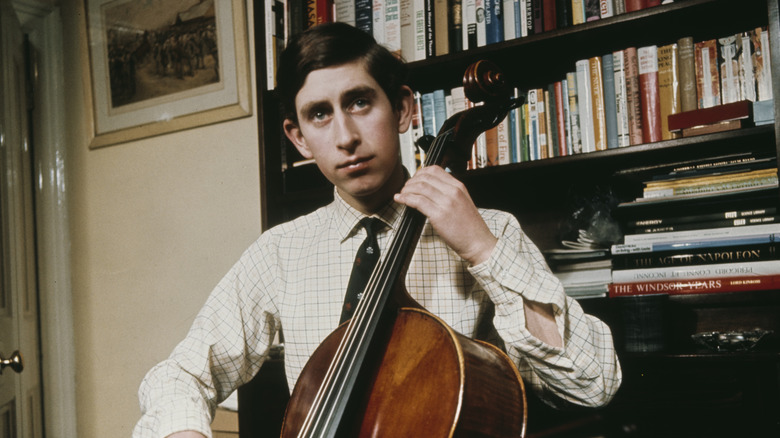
pixel 331 45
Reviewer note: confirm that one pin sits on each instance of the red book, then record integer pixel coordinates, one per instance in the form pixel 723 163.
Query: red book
pixel 649 94
pixel 651 3
pixel 324 11
pixel 549 15
pixel 633 100
pixel 708 116
pixel 695 286
pixel 635 5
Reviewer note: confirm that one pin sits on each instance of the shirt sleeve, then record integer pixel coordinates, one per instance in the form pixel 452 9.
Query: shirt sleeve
pixel 225 347
pixel 586 370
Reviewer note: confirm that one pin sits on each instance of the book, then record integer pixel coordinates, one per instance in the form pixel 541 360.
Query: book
pixel 455 28
pixel 635 5
pixel 707 77
pixel 707 116
pixel 723 232
pixel 668 87
pixel 574 114
pixel 728 215
pixel 716 270
pixel 469 23
pixel 577 12
pixel 621 96
pixel 537 20
pixel 687 74
pixel 747 79
pixel 549 15
pixel 503 138
pixel 441 27
pixel 729 125
pixel 533 125
pixel 551 114
pixel 494 22
pixel 542 113
pixel 695 286
pixel 491 147
pixel 560 117
pixel 344 11
pixel 728 68
pixel 479 9
pixel 633 99
pixel 607 8
pixel 610 104
pixel 597 100
pixel 563 13
pixel 378 21
pixel 510 14
pixel 697 256
pixel 430 28
pixel 649 94
pixel 585 105
pixel 393 26
pixel 592 10
pixel 683 245
pixel 704 224
pixel 364 15
pixel 762 66
pixel 706 183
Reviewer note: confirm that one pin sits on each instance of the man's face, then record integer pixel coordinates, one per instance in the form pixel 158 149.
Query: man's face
pixel 349 126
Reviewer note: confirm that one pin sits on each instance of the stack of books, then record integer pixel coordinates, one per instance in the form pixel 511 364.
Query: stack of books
pixel 583 266
pixel 702 228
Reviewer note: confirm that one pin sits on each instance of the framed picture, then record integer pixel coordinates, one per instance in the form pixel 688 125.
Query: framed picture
pixel 160 66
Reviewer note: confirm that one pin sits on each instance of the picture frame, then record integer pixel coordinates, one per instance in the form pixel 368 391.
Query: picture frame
pixel 161 66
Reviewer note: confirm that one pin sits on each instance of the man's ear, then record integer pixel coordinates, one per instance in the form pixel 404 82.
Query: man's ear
pixel 405 108
pixel 293 132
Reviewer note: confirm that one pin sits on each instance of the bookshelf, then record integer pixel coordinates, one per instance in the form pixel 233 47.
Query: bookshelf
pixel 540 193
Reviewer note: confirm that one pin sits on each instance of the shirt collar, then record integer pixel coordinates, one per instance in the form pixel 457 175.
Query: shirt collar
pixel 347 219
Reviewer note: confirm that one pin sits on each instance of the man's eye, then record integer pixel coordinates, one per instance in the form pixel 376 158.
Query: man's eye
pixel 360 103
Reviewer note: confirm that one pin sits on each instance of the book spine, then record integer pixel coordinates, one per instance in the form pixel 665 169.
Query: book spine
pixel 567 115
pixel 440 110
pixel 668 87
pixel 687 73
pixel 730 215
pixel 717 270
pixel 324 11
pixel 746 77
pixel 494 22
pixel 441 27
pixel 633 98
pixel 621 96
pixel 635 5
pixel 649 94
pixel 592 10
pixel 430 29
pixel 577 12
pixel 574 113
pixel 723 232
pixel 560 123
pixel 707 77
pixel 728 68
pixel 610 106
pixel 502 134
pixel 469 19
pixel 541 108
pixel 407 30
pixel 522 18
pixel 585 105
pixel 364 15
pixel 393 26
pixel 344 11
pixel 525 153
pixel 491 147
pixel 533 125
pixel 762 65
pixel 419 29
pixel 699 286
pixel 563 13
pixel 481 25
pixel 597 100
pixel 551 114
pixel 704 225
pixel 378 21
pixel 428 114
pixel 606 8
pixel 514 136
pixel 549 18
pixel 509 11
pixel 697 256
pixel 537 19
pixel 683 245
pixel 455 28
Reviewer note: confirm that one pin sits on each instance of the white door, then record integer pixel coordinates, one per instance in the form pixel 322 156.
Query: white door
pixel 20 390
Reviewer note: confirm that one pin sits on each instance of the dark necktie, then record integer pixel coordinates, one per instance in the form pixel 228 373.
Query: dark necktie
pixel 365 260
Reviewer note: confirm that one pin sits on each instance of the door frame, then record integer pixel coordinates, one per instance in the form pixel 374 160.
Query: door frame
pixel 43 24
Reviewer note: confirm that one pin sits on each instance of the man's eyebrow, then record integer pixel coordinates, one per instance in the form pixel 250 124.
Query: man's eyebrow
pixel 359 91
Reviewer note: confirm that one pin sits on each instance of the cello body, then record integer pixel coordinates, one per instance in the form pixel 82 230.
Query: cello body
pixel 429 381
pixel 396 370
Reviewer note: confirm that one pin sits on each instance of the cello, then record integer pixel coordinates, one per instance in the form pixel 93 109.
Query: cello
pixel 396 370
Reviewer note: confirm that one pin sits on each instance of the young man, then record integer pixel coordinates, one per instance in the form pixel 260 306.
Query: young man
pixel 345 103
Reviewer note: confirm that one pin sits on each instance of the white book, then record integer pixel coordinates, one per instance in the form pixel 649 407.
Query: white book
pixel 344 11
pixel 508 15
pixel 607 8
pixel 574 113
pixel 270 58
pixel 621 98
pixel 407 30
pixel 378 20
pixel 458 96
pixel 419 29
pixel 393 25
pixel 408 151
pixel 585 106
pixel 703 234
pixel 481 31
pixel 731 91
pixel 746 77
pixel 522 11
pixel 566 115
pixel 719 270
pixel 533 122
pixel 469 23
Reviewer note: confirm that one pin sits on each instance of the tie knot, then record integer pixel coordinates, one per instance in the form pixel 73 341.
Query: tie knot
pixel 372 225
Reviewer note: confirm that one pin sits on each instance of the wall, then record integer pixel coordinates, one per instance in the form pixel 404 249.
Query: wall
pixel 154 224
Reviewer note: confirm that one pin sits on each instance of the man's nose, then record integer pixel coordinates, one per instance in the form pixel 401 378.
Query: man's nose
pixel 346 134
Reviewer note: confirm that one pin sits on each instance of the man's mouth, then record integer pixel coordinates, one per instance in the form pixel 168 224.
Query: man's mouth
pixel 356 163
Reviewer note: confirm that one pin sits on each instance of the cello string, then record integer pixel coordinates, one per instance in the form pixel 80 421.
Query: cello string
pixel 366 311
